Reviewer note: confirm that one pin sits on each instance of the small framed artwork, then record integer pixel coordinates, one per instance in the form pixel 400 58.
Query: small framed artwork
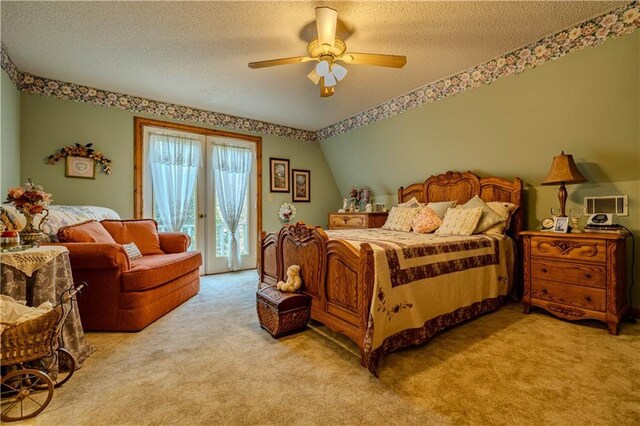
pixel 80 167
pixel 561 224
pixel 279 172
pixel 301 185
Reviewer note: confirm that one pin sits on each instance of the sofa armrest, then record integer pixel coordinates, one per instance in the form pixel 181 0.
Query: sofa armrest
pixel 96 256
pixel 174 242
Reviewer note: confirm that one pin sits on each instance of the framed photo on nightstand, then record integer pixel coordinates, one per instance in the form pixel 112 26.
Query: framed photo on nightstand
pixel 561 224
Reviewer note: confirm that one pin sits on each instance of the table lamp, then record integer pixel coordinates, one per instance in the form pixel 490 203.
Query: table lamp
pixel 563 171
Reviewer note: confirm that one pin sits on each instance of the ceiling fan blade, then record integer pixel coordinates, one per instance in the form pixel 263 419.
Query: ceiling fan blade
pixel 326 22
pixel 393 61
pixel 281 61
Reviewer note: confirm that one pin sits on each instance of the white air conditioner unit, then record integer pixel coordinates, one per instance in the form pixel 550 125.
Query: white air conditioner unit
pixel 618 204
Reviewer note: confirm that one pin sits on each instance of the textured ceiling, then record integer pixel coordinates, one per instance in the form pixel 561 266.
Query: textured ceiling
pixel 196 53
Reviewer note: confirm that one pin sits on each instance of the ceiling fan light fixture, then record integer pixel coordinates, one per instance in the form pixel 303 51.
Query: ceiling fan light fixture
pixel 338 71
pixel 330 80
pixel 326 22
pixel 322 68
pixel 314 76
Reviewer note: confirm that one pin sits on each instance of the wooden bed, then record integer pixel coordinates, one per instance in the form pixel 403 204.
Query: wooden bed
pixel 340 279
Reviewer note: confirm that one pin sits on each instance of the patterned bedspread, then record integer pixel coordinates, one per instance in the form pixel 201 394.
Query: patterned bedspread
pixel 425 283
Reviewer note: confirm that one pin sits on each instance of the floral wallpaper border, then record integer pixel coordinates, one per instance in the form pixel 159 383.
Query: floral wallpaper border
pixel 7 64
pixel 592 32
pixel 63 90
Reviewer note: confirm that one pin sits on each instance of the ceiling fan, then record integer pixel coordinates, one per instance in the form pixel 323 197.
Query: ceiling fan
pixel 327 49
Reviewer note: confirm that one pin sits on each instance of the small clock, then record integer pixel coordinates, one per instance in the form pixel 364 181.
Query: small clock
pixel 547 223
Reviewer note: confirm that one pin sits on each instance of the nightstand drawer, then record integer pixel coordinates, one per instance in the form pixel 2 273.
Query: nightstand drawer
pixel 567 272
pixel 567 294
pixel 347 221
pixel 568 248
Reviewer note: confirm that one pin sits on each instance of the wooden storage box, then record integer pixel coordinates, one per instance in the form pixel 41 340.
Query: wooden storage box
pixel 282 313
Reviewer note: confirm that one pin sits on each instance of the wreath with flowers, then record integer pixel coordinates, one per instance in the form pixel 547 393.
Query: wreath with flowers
pixel 286 213
pixel 79 150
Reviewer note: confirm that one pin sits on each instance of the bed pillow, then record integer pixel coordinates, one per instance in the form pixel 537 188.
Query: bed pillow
pixel 426 221
pixel 90 231
pixel 460 221
pixel 489 216
pixel 143 232
pixel 400 218
pixel 411 203
pixel 440 208
pixel 506 211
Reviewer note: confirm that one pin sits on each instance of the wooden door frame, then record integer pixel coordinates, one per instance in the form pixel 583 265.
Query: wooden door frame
pixel 138 145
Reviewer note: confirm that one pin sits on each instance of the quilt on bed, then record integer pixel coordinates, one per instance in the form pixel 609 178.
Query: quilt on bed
pixel 425 283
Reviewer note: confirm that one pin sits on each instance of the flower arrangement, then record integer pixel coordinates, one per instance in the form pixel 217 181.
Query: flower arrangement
pixel 286 213
pixel 79 150
pixel 30 199
pixel 360 195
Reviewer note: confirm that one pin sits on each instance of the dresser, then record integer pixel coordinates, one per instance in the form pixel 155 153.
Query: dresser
pixel 357 220
pixel 576 276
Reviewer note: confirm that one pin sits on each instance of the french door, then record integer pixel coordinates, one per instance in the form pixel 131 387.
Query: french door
pixel 204 222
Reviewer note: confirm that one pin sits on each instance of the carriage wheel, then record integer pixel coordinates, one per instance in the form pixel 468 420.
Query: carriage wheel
pixel 25 393
pixel 59 368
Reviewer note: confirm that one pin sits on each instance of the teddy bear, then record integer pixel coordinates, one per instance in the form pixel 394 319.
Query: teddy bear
pixel 294 282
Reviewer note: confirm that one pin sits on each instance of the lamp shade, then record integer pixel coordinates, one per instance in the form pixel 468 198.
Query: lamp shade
pixel 563 170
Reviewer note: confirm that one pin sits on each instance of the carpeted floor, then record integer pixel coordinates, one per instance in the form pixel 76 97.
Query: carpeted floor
pixel 209 362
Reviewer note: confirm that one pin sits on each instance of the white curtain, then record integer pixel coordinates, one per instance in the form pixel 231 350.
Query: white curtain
pixel 232 170
pixel 174 163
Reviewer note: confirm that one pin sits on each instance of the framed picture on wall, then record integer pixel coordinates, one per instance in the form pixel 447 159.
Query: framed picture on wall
pixel 80 167
pixel 279 173
pixel 301 185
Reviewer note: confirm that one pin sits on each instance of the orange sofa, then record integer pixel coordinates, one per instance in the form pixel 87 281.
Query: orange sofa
pixel 124 294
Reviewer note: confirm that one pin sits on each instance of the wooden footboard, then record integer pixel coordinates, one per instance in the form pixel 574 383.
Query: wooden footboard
pixel 338 277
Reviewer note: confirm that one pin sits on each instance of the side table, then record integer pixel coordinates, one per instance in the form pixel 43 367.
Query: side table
pixel 42 274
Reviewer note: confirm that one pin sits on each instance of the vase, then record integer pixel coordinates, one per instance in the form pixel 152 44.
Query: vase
pixel 30 234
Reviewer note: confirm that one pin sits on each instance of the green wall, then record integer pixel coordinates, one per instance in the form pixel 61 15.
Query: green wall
pixel 587 104
pixel 9 134
pixel 49 124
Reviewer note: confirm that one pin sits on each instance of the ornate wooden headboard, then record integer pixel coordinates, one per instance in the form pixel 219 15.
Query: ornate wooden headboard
pixel 464 186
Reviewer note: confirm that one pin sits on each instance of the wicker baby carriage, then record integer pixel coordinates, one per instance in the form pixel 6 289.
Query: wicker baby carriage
pixel 33 363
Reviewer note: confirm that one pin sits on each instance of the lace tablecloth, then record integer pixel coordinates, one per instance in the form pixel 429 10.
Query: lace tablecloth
pixel 28 275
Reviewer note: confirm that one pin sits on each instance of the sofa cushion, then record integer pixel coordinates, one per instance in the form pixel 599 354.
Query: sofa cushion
pixel 154 270
pixel 90 231
pixel 143 232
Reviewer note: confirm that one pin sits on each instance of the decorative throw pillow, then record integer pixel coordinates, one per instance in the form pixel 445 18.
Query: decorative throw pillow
pixel 132 251
pixel 411 203
pixel 9 220
pixel 85 232
pixel 425 221
pixel 440 208
pixel 488 218
pixel 506 211
pixel 143 232
pixel 460 221
pixel 400 218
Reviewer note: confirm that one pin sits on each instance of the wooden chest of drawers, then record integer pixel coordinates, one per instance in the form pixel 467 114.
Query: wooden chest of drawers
pixel 576 276
pixel 357 220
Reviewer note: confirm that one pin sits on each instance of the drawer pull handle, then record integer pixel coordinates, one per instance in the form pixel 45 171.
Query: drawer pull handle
pixel 544 270
pixel 587 298
pixel 544 291
pixel 587 275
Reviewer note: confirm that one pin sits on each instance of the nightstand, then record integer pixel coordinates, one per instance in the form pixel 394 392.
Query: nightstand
pixel 576 276
pixel 357 220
